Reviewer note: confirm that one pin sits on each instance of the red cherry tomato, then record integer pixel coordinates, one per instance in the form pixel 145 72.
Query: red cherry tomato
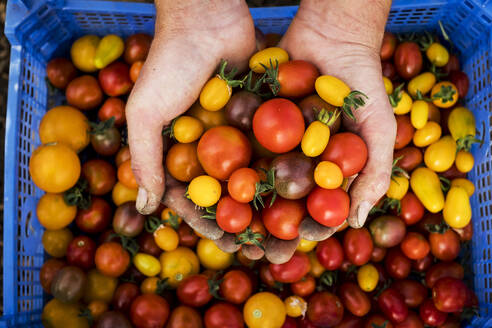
pixel 358 245
pixel 397 264
pixel 412 321
pixel 194 291
pixel 95 218
pixel 293 270
pixel 379 321
pixel 404 131
pixel 223 315
pixel 392 304
pixel 233 216
pixel 442 270
pixel 378 254
pixel 431 315
pixel 424 264
pixel 330 253
pixel 445 246
pixel 113 107
pixel 236 286
pixel 412 210
pixel 449 294
pixel 324 309
pixel 415 246
pixel 413 292
pixel 410 158
pixel 461 81
pixel 408 59
pixel 330 207
pixel 124 295
pixel 348 151
pixel 149 311
pixel 304 287
pixel 80 252
pixel 354 299
pixel 282 219
pixel 242 184
pixel 296 78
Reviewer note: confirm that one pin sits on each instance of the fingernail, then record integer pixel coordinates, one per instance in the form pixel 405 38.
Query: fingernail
pixel 144 201
pixel 363 212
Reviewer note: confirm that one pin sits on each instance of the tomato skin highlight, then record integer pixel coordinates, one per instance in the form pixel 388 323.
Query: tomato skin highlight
pixel 330 207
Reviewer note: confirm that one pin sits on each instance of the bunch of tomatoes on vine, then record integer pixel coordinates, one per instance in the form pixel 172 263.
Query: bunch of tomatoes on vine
pixel 259 152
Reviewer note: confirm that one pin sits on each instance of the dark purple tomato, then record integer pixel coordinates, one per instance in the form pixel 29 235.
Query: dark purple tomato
pixel 68 286
pixel 106 141
pixel 240 109
pixel 127 221
pixel 112 319
pixel 294 174
pixel 124 295
pixel 311 105
pixel 387 231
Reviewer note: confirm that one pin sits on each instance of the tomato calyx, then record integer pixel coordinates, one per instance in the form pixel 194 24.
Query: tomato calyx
pixel 465 143
pixel 265 186
pixel 393 204
pixel 271 77
pixel 395 97
pixel 229 77
pixel 354 100
pixel 326 117
pixel 153 223
pixel 445 183
pixel 128 243
pixel 162 286
pixel 210 212
pixel 249 237
pixel 437 72
pixel 328 279
pixel 78 195
pixel 469 313
pixel 437 228
pixel 420 96
pixel 169 130
pixel 87 314
pixel 383 325
pixel 425 41
pixel 398 171
pixel 256 87
pixel 214 285
pixel 445 94
pixel 101 127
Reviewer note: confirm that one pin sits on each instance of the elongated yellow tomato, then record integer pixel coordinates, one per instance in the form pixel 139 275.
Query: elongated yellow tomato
pixel 306 245
pixel 464 161
pixel 419 114
pixel 211 256
pixel 295 306
pixel 204 190
pixel 178 264
pixel 215 94
pixel 388 85
pixel 444 94
pixel 315 139
pixel 147 264
pixel 53 213
pixel 440 155
pixel 264 310
pixel 83 52
pixel 368 277
pixel 461 123
pixel 465 184
pixel 426 185
pixel 431 132
pixel 166 238
pixel 317 268
pixel 422 82
pixel 263 57
pixel 437 54
pixel 332 90
pixel 404 105
pixel 328 175
pixel 398 187
pixel 108 50
pixel 457 209
pixel 187 129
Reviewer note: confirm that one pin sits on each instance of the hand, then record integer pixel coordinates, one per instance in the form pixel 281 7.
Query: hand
pixel 343 38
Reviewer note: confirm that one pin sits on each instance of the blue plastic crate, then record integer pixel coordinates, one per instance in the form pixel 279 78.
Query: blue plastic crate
pixel 39 30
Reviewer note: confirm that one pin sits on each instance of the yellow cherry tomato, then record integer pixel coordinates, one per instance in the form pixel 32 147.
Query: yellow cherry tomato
pixel 109 49
pixel 67 125
pixel 332 90
pixel 215 94
pixel 388 85
pixel 57 314
pixel 267 57
pixel 461 123
pixel 122 194
pixel 204 190
pixel 211 256
pixel 147 264
pixel 328 175
pixel 426 185
pixel 440 155
pixel 457 210
pixel 295 306
pixel 170 218
pixel 422 82
pixel 178 264
pixel 315 139
pixel 368 277
pixel 99 287
pixel 83 52
pixel 187 129
pixel 404 105
pixel 54 167
pixel 430 133
pixel 166 238
pixel 55 242
pixel 398 187
pixel 306 245
pixel 434 113
pixel 464 161
pixel 465 184
pixel 209 119
pixel 419 114
pixel 437 54
pixel 264 310
pixel 149 285
pixel 53 213
pixel 444 94
pixel 317 268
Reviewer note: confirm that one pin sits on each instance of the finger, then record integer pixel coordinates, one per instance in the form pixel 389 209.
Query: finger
pixel 172 182
pixel 174 199
pixel 309 229
pixel 279 251
pixel 252 252
pixel 227 243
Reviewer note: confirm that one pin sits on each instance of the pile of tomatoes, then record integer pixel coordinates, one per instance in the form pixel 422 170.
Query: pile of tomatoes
pixel 259 153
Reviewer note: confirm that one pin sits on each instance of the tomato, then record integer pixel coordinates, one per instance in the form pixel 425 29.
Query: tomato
pixel 367 277
pixel 317 268
pixel 332 90
pixel 264 310
pixel 310 107
pixel 304 287
pixel 125 175
pixel 122 194
pixel 278 125
pixel 48 271
pixel 404 131
pixel 182 162
pixel 295 306
pixel 306 245
pixel 330 253
pixel 147 264
pixel 223 315
pixel 387 231
pixel 115 79
pixel 453 173
pixel 166 238
pixel 434 113
pixel 80 252
pixel 348 151
pixel 388 46
pixel 296 78
pixel 324 309
pixel 84 92
pixel 442 270
pixel 111 319
pixel 412 210
pixel 211 257
pixel 137 47
pixel 350 321
pixel 124 295
pixel 55 242
pixel 135 69
pixel 411 157
pixel 440 155
pixel 53 213
pixel 358 245
pixel 99 287
pixel 293 270
pixel 445 246
pixel 464 161
pixel 149 311
pixel 54 168
pixel 83 52
pixel 186 235
pixel 457 208
pixel 461 81
pixel 108 50
pixel 100 175
pixel 378 254
pixel 268 57
pixel 431 315
pixel 60 71
pixel 398 187
pixel 178 264
pixel 413 292
pixel 127 221
pixel 449 294
pixel 236 286
pixel 397 264
pixel 389 70
pixel 461 123
pixel 466 233
pixel 392 304
pixel 215 155
pixel 444 94
pixel 113 107
pixel 412 321
pixel 97 308
pixel 378 320
pixel 210 119
pixel 423 83
pixel 430 133
pixel 215 94
pixel 68 284
pixel 354 299
pixel 408 59
pixel 111 259
pixel 315 139
pixel 204 191
pixel 122 155
pixel 282 219
pixel 233 216
pixel 242 184
pixel 404 104
pixel 419 114
pixel 426 185
pixel 240 109
pixel 57 314
pixel 415 246
pixel 194 291
pixel 330 207
pixel 388 85
pixel 437 54
pixel 67 125
pixel 293 175
pixel 95 218
pixel 184 317
pixel 328 175
pixel 186 129
pixel 106 141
